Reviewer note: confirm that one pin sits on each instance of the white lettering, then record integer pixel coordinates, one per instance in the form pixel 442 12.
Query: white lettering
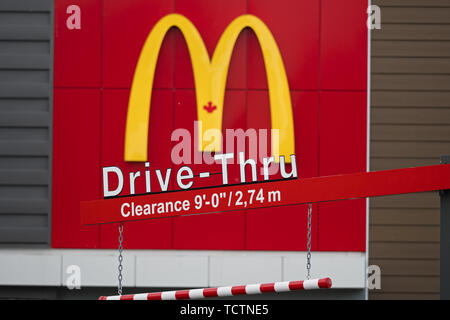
pixel 181 177
pixel 223 157
pixel 106 191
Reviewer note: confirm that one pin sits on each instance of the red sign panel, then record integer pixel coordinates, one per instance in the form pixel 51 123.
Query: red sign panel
pixel 268 194
pixel 94 68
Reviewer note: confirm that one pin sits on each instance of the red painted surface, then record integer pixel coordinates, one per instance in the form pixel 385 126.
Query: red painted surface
pixel 77 53
pixel 76 165
pixel 295 26
pixel 340 120
pixel 343 45
pixel 324 47
pixel 126 25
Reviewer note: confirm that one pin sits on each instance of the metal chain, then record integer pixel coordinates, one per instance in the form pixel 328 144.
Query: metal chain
pixel 308 243
pixel 119 286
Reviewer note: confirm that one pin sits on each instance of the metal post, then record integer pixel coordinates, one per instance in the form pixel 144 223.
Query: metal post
pixel 445 239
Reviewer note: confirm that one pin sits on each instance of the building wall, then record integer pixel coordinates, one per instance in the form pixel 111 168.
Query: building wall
pixel 42 267
pixel 25 121
pixel 409 127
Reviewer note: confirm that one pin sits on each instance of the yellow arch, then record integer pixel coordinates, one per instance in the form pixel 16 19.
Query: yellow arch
pixel 210 78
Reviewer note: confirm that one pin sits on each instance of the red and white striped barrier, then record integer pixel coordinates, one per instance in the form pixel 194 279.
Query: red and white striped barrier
pixel 227 291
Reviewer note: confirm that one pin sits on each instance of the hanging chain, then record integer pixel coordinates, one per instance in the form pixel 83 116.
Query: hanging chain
pixel 119 286
pixel 308 243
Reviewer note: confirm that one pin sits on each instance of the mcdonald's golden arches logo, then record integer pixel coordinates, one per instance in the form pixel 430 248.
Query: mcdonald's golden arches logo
pixel 210 77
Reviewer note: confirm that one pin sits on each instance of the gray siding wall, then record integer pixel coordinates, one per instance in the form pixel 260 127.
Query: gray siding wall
pixel 25 121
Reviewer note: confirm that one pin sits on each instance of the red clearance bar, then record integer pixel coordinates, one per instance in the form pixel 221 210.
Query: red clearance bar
pixel 266 194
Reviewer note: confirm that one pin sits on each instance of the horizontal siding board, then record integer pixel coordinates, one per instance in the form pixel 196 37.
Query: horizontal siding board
pixel 24 90
pixel 388 164
pixel 410 284
pixel 419 268
pixel 404 233
pixel 24 76
pixel 402 32
pixel 395 132
pixel 412 3
pixel 410 82
pixel 24 220
pixel 405 65
pixel 423 200
pixel 23 192
pixel 25 5
pixel 24 104
pixel 25 47
pixel 408 49
pixel 23 133
pixel 24 61
pixel 23 235
pixel 24 163
pixel 24 119
pixel 23 206
pixel 38 19
pixel 411 116
pixel 399 250
pixel 407 216
pixel 380 295
pixel 413 15
pixel 24 148
pixel 24 32
pixel 24 177
pixel 414 149
pixel 410 99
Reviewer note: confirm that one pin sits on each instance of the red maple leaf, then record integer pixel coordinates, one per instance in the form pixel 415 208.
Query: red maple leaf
pixel 210 108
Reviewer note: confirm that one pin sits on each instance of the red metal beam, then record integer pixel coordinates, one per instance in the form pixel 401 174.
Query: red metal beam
pixel 276 193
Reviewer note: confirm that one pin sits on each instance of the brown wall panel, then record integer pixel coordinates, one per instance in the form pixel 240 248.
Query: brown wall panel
pixel 410 126
pixel 409 216
pixel 402 32
pixel 410 99
pixel 412 15
pixel 402 250
pixel 409 49
pixel 415 149
pixel 428 200
pixel 412 3
pixel 425 82
pixel 411 116
pixel 415 284
pixel 418 268
pixel 406 65
pixel 388 164
pixel 404 296
pixel 395 132
pixel 404 233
